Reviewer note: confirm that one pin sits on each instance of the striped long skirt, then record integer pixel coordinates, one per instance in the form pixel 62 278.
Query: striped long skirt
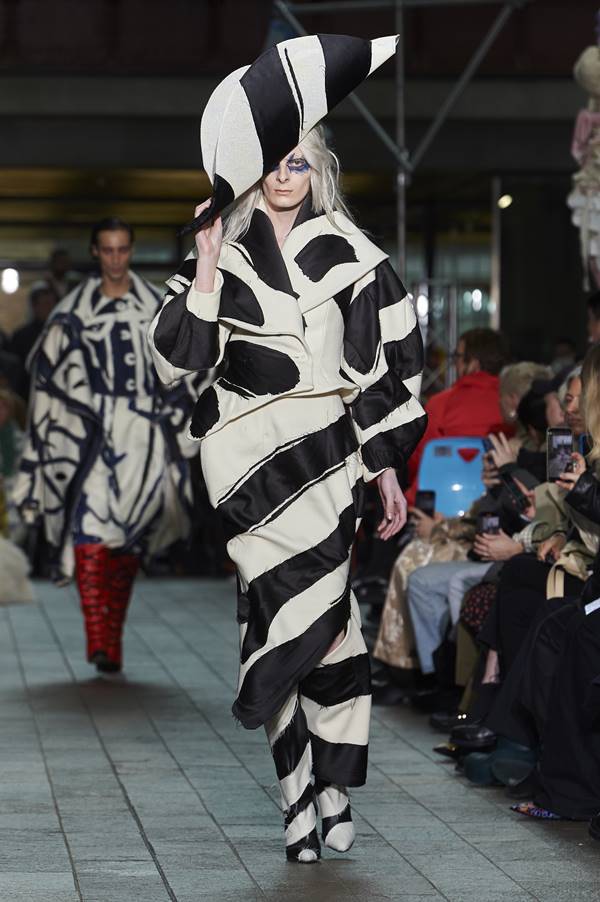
pixel 287 481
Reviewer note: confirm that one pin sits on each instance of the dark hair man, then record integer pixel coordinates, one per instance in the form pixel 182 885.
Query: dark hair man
pixel 104 465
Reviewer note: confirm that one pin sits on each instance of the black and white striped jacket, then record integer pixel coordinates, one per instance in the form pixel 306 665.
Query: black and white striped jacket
pixel 326 313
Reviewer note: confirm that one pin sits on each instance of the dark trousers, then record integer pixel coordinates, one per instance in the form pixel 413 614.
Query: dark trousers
pixel 521 594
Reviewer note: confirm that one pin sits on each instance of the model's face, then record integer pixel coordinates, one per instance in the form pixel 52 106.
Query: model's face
pixel 288 184
pixel 573 418
pixel 113 252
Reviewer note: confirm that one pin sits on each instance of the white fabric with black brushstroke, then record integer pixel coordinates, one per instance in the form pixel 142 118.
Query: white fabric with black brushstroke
pixel 319 358
pixel 106 445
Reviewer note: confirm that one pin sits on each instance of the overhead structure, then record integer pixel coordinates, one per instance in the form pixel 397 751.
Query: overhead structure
pixel 440 330
pixel 406 161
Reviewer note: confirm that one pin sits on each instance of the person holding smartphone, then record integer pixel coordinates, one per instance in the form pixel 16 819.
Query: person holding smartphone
pixel 561 565
pixel 555 678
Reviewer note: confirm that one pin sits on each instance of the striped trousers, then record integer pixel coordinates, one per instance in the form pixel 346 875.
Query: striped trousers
pixel 322 733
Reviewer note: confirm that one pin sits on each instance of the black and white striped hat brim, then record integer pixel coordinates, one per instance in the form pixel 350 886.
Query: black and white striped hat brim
pixel 259 113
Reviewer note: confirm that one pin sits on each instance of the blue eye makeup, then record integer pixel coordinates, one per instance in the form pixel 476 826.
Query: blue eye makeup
pixel 294 164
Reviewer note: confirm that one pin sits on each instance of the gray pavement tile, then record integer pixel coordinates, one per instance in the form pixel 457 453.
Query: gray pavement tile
pixel 482 895
pixel 249 895
pixel 582 891
pixel 107 868
pixel 28 885
pixel 209 881
pixel 551 870
pixel 210 854
pixel 509 850
pixel 423 833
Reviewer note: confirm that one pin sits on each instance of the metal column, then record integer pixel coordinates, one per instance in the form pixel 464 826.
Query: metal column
pixel 401 172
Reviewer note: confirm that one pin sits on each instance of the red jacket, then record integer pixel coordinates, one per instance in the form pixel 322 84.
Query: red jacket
pixel 470 407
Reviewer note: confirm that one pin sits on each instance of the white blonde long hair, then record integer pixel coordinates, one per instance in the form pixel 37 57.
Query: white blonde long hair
pixel 325 188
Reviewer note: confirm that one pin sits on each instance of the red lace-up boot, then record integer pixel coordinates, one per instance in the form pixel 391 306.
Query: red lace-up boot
pixel 91 571
pixel 122 570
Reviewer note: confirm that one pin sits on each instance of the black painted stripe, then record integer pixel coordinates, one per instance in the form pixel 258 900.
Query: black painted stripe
pixel 390 288
pixel 362 331
pixel 405 356
pixel 273 677
pixel 270 591
pixel 327 823
pixel 393 447
pixel 271 99
pixel 266 258
pixel 284 476
pixel 322 253
pixel 333 684
pixel 307 842
pixel 288 748
pixel 347 64
pixel 186 273
pixel 297 86
pixel 183 339
pixel 305 801
pixel 380 399
pixel 342 763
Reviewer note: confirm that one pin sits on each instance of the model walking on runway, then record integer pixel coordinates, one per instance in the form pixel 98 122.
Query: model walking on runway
pixel 104 469
pixel 319 359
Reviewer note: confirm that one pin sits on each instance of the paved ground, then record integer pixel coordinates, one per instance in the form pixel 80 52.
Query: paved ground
pixel 144 788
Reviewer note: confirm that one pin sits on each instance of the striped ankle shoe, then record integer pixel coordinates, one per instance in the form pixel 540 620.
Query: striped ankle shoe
pixel 301 837
pixel 337 829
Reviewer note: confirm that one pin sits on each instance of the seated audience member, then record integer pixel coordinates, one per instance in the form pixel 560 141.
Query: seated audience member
pixel 439 540
pixel 550 699
pixel 42 300
pixel 560 568
pixel 539 409
pixel 472 405
pixel 435 592
pixel 515 381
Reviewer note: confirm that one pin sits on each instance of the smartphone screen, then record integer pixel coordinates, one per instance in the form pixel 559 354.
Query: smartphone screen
pixel 518 498
pixel 559 450
pixel 425 502
pixel 489 524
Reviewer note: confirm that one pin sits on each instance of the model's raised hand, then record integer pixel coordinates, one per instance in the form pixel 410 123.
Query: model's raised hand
pixel 209 239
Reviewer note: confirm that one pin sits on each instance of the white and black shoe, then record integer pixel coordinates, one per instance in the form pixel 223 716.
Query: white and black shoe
pixel 337 829
pixel 301 837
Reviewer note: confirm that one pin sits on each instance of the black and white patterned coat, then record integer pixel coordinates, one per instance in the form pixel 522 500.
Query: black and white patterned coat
pixel 318 356
pixel 105 457
pixel 328 313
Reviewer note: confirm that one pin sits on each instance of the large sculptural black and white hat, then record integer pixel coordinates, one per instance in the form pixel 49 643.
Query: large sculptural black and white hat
pixel 259 113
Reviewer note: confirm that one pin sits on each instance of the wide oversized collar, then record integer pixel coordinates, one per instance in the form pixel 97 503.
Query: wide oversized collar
pixel 79 308
pixel 267 289
pixel 83 301
pixel 317 261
